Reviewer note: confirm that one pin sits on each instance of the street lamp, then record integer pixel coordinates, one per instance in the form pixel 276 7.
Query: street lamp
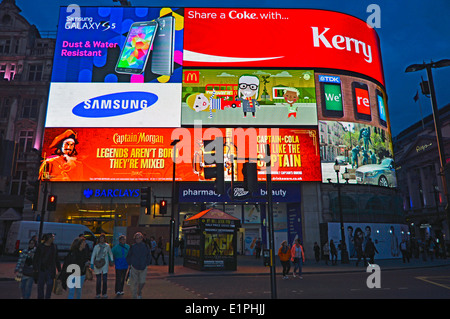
pixel 172 214
pixel 344 253
pixel 437 125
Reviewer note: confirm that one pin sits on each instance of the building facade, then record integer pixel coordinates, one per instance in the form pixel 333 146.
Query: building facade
pixel 419 175
pixel 26 58
pixel 340 111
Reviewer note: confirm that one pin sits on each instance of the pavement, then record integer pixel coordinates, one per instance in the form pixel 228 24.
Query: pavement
pixel 159 285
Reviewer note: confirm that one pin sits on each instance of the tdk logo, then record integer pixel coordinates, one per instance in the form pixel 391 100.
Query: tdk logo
pixel 115 104
pixel 329 79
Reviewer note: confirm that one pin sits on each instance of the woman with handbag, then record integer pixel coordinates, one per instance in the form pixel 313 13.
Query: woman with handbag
pixel 79 257
pixel 120 253
pixel 298 258
pixel 101 259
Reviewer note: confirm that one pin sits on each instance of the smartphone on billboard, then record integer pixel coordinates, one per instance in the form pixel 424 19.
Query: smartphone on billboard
pixel 332 105
pixel 163 46
pixel 361 101
pixel 137 48
pixel 381 108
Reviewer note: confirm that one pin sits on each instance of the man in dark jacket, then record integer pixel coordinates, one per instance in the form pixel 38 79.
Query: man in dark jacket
pixel 45 263
pixel 139 257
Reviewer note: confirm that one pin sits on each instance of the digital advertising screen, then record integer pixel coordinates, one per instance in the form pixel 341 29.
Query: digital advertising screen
pixel 145 154
pixel 354 130
pixel 292 38
pixel 119 44
pixel 248 97
pixel 117 67
pixel 114 105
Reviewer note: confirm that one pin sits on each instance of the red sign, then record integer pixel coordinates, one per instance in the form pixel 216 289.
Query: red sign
pixel 133 154
pixel 280 38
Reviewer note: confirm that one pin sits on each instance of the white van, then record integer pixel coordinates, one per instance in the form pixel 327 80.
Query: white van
pixel 22 231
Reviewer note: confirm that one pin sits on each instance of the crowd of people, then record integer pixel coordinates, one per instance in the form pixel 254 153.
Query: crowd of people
pixel 39 264
pixel 428 249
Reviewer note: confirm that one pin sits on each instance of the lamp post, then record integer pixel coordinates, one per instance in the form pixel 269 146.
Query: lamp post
pixel 437 125
pixel 273 282
pixel 172 214
pixel 344 252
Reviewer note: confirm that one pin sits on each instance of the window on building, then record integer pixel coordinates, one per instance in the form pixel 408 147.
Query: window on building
pixel 19 183
pixel 26 141
pixel 35 72
pixel 4 108
pixel 29 108
pixel 5 46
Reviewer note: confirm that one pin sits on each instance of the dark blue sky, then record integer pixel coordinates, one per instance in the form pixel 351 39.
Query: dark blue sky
pixel 411 31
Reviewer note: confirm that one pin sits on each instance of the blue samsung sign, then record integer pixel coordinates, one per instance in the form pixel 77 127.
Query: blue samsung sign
pixel 115 104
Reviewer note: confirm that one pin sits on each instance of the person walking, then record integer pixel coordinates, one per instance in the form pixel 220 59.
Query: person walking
pixel 120 253
pixel 371 250
pixel 326 252
pixel 24 269
pixel 79 256
pixel 100 261
pixel 153 246
pixel 316 252
pixel 284 253
pixel 45 263
pixel 333 252
pixel 258 247
pixel 181 246
pixel 139 257
pixel 160 251
pixel 298 257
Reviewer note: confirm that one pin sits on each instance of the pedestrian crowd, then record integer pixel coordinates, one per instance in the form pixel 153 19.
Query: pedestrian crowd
pixel 39 264
pixel 360 251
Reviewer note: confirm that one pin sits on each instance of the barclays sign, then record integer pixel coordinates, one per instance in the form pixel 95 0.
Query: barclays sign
pixel 111 193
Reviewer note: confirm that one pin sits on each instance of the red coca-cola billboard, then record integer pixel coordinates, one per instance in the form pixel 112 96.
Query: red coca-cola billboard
pixel 279 38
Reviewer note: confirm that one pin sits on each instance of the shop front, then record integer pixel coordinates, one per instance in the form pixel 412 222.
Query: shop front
pixel 250 209
pixel 110 208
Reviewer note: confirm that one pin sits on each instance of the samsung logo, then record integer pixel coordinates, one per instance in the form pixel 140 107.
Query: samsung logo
pixel 115 104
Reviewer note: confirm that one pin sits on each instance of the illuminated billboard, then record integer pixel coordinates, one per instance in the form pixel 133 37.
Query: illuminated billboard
pixel 117 67
pixel 145 154
pixel 248 97
pixel 354 130
pixel 274 38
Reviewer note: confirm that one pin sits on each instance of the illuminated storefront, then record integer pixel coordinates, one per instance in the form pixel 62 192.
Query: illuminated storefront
pixel 308 82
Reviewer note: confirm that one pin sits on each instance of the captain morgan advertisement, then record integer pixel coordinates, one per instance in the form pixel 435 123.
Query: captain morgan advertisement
pixel 145 154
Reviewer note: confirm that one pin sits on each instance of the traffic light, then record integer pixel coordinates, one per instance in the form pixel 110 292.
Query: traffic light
pixel 250 172
pixel 146 199
pixel 163 207
pixel 214 166
pixel 51 203
pixel 32 194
